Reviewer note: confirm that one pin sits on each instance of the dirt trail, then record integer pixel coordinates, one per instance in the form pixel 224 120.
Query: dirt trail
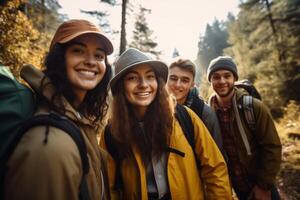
pixel 289 176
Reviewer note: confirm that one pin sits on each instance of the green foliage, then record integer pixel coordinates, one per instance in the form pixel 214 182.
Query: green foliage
pixel 44 15
pixel 18 41
pixel 265 43
pixel 26 29
pixel 142 35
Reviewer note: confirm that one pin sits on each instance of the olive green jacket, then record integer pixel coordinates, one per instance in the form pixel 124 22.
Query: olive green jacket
pixel 53 170
pixel 263 164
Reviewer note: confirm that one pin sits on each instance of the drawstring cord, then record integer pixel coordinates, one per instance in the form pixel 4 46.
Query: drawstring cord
pixel 46 135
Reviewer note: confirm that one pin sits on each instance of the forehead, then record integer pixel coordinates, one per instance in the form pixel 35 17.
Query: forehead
pixel 90 39
pixel 222 72
pixel 141 68
pixel 180 72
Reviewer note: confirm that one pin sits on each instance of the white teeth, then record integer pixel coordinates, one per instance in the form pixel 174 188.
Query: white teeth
pixel 143 93
pixel 87 73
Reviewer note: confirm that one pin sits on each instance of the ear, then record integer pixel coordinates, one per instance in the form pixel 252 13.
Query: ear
pixel 194 84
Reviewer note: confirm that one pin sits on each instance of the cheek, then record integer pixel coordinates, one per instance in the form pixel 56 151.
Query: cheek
pixel 127 89
pixel 154 84
pixel 102 67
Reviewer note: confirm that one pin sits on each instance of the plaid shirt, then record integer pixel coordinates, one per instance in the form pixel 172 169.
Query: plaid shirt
pixel 237 172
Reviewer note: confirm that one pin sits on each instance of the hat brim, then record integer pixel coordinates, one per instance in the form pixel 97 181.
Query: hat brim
pixel 107 43
pixel 160 68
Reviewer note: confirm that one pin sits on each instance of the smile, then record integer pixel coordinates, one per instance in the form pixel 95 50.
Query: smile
pixel 142 94
pixel 87 73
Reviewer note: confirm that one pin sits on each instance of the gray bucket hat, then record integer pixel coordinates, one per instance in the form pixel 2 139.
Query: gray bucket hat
pixel 132 57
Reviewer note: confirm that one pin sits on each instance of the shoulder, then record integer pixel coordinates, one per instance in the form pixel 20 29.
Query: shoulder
pixel 260 107
pixel 207 109
pixel 196 120
pixel 38 145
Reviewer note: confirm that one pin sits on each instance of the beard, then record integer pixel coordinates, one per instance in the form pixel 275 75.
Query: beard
pixel 227 93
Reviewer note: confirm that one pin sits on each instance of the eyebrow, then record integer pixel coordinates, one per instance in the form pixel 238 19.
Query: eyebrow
pixel 84 45
pixel 135 72
pixel 180 77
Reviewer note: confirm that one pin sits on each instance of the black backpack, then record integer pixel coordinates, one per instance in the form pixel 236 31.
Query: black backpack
pixel 186 124
pixel 247 102
pixel 17 123
pixel 195 102
pixel 249 87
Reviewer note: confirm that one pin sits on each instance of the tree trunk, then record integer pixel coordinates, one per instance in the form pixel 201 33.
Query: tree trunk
pixel 281 54
pixel 123 41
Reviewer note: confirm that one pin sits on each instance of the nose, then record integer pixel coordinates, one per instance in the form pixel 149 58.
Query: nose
pixel 143 82
pixel 90 60
pixel 177 83
pixel 222 80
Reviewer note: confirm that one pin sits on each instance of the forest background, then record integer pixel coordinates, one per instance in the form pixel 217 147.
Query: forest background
pixel 263 38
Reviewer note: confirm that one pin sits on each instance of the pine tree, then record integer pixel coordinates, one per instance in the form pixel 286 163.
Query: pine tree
pixel 212 43
pixel 142 35
pixel 265 39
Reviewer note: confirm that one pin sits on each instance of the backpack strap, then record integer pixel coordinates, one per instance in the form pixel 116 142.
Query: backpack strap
pixel 186 124
pixel 61 122
pixel 195 102
pixel 113 151
pixel 249 112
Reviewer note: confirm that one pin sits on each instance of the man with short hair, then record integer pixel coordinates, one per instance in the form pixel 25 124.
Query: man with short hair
pixel 254 155
pixel 181 85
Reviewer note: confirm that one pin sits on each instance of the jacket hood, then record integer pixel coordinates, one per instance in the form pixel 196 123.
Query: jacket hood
pixel 36 78
pixel 240 93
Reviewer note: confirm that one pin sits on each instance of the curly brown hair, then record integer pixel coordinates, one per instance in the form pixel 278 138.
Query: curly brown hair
pixel 94 105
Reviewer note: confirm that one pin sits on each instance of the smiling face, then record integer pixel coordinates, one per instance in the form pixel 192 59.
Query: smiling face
pixel 222 82
pixel 180 82
pixel 85 64
pixel 140 86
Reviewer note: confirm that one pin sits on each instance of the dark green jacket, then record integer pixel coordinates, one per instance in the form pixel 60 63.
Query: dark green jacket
pixel 263 164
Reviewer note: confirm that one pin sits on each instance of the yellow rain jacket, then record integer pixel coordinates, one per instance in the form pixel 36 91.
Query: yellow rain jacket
pixel 185 180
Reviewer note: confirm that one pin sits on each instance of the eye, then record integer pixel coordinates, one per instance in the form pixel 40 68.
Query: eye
pixel 185 80
pixel 100 55
pixel 173 78
pixel 77 50
pixel 215 77
pixel 151 76
pixel 131 77
pixel 227 76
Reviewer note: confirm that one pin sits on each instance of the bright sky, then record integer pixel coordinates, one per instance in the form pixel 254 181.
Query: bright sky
pixel 175 23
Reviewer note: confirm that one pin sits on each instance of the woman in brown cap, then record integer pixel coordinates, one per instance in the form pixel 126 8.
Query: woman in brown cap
pixel 47 163
pixel 150 155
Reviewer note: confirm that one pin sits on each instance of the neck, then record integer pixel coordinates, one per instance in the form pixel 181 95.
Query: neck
pixel 181 101
pixel 225 101
pixel 78 100
pixel 140 113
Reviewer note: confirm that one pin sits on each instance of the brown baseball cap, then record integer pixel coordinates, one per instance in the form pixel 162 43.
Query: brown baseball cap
pixel 76 27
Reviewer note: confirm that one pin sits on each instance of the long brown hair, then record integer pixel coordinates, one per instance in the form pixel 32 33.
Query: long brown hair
pixel 157 123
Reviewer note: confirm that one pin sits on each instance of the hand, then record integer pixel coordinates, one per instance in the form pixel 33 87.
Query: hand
pixel 258 193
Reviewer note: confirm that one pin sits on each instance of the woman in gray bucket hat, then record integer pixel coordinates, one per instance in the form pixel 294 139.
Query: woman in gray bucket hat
pixel 150 156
